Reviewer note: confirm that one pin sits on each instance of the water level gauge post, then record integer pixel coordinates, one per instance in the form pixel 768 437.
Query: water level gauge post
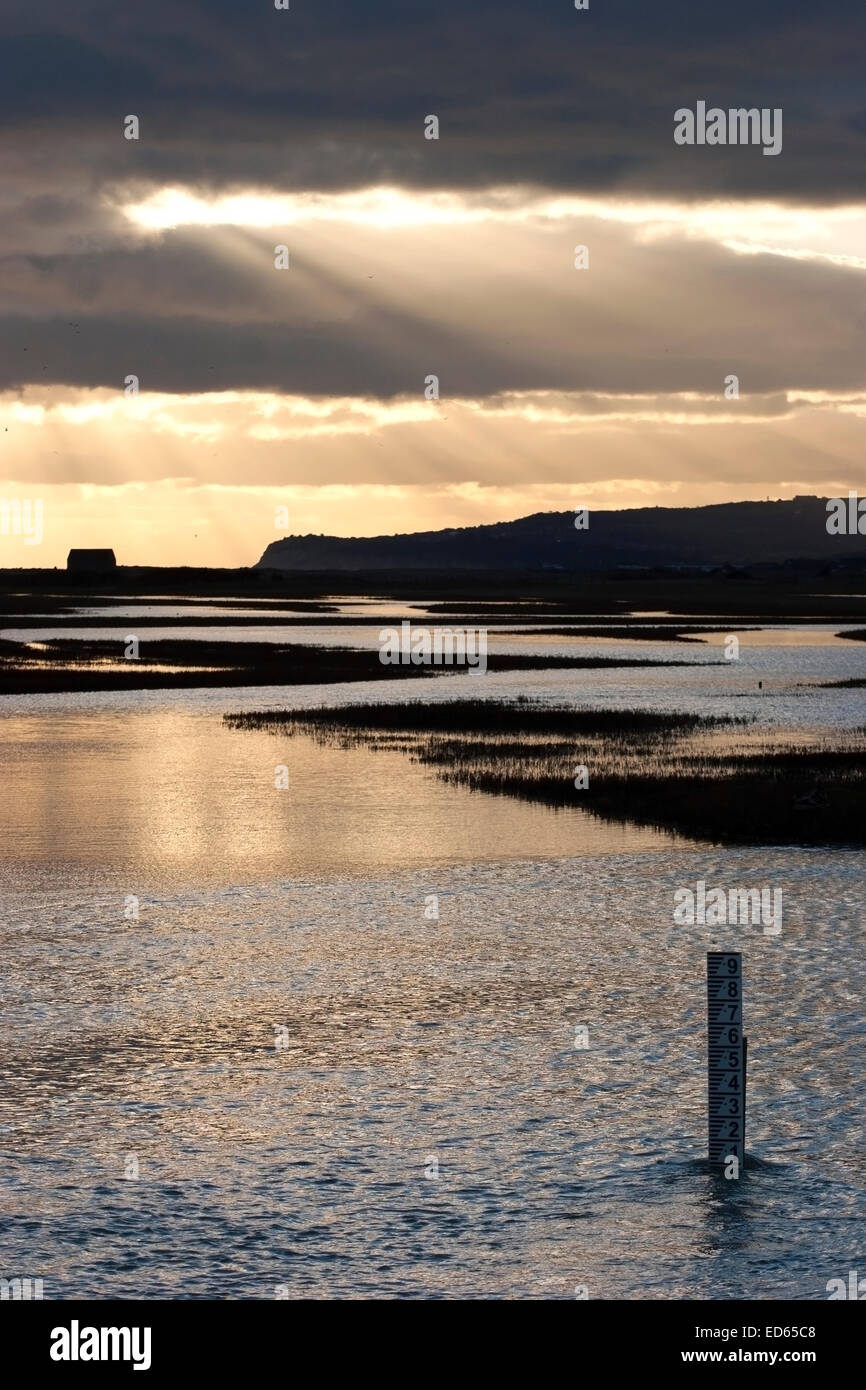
pixel 726 1059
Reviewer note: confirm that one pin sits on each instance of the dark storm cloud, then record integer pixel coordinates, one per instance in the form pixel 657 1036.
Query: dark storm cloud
pixel 333 94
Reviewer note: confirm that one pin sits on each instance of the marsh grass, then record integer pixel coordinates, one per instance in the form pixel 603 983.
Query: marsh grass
pixel 705 777
pixel 522 716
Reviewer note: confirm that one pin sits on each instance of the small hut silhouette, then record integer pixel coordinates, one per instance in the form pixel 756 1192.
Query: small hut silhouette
pixel 91 561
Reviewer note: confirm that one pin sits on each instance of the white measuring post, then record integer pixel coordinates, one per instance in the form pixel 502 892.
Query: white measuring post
pixel 726 1058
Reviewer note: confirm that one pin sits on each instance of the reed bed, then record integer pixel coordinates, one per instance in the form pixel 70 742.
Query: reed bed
pixel 704 777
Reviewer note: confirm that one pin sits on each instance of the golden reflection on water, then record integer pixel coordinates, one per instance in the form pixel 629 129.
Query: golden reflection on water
pixel 164 791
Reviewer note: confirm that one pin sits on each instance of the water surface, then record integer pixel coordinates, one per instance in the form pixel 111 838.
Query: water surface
pixel 288 1044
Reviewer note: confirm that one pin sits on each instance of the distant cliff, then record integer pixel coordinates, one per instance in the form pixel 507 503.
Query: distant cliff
pixel 731 533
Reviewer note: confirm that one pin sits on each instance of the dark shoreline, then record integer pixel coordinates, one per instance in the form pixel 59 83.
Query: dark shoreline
pixel 800 591
pixel 70 666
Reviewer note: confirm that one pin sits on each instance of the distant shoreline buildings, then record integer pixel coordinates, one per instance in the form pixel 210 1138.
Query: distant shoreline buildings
pixel 91 562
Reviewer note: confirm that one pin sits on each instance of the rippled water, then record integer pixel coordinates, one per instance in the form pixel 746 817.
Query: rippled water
pixel 305 1158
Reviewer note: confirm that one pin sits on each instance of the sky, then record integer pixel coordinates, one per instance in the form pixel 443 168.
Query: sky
pixel 170 390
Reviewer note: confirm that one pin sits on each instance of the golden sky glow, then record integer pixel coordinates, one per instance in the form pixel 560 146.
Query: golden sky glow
pixel 183 445
pixel 559 387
